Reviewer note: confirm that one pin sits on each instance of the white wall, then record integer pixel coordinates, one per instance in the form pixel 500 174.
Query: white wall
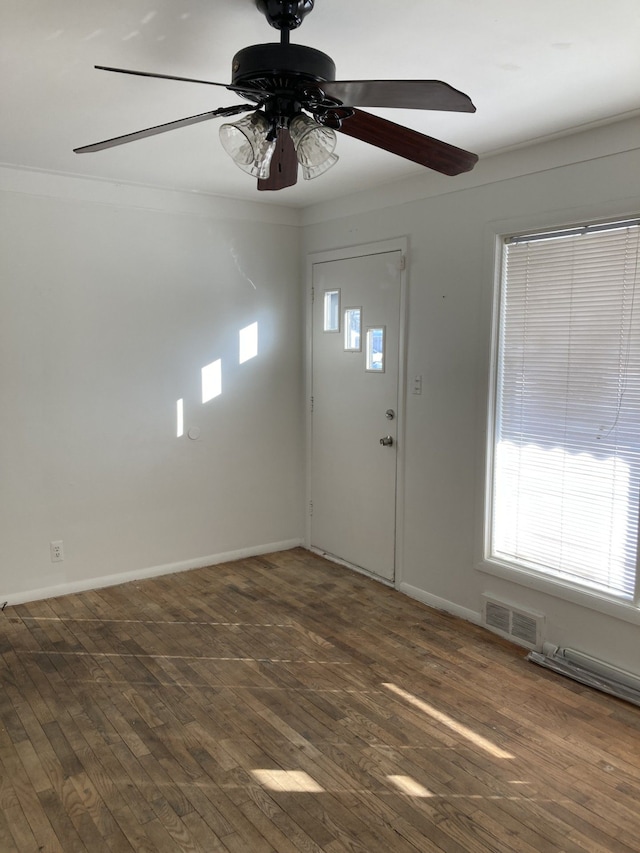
pixel 451 225
pixel 113 298
pixel 111 301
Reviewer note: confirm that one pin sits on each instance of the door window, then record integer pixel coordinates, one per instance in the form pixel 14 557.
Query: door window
pixel 352 327
pixel 375 349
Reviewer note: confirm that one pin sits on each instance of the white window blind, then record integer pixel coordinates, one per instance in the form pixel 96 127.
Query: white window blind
pixel 566 450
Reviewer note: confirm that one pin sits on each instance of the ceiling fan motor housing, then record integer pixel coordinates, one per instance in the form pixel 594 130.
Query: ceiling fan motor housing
pixel 285 14
pixel 282 62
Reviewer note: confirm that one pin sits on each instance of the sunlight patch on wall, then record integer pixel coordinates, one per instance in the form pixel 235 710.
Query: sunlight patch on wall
pixel 248 342
pixel 287 780
pixel 180 418
pixel 449 722
pixel 211 380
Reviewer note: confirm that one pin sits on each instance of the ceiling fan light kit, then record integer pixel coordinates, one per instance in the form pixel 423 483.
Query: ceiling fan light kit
pixel 247 143
pixel 297 105
pixel 314 146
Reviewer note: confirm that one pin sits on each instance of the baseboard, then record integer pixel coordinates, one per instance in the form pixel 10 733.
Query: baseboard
pixel 440 603
pixel 142 574
pixel 352 566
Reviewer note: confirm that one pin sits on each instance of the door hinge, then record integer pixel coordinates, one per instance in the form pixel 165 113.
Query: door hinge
pixel 402 263
pixel 313 295
pixel 310 507
pixel 311 398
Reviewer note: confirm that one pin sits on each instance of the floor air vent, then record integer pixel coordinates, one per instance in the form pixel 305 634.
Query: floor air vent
pixel 520 626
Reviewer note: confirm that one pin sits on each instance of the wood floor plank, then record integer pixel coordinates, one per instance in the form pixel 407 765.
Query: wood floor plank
pixel 54 809
pixel 7 842
pixel 282 703
pixel 140 835
pixel 21 833
pixel 140 788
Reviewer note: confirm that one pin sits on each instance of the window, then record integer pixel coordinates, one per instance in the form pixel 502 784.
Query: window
pixel 331 311
pixel 375 349
pixel 352 324
pixel 565 470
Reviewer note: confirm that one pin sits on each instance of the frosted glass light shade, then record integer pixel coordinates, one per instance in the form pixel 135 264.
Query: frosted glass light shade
pixel 314 146
pixel 246 142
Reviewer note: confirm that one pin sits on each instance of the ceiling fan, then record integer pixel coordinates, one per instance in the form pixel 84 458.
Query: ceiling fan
pixel 297 105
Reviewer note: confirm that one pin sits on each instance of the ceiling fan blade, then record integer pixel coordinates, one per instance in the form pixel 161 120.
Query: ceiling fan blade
pixel 242 89
pixel 284 165
pixel 162 128
pixel 408 143
pixel 401 94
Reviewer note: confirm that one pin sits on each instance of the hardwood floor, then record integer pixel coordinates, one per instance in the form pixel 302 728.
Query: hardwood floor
pixel 283 703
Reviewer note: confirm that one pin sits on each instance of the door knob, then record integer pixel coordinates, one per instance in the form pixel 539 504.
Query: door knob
pixel 387 441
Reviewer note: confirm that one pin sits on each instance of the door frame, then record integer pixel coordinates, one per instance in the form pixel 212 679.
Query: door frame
pixel 378 247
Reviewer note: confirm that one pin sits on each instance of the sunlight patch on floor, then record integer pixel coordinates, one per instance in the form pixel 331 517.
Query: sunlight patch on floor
pixel 408 785
pixel 295 781
pixel 449 722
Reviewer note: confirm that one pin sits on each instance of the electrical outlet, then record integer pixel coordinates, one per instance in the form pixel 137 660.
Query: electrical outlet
pixel 57 552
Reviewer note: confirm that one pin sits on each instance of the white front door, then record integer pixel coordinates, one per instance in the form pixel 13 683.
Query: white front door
pixel 355 372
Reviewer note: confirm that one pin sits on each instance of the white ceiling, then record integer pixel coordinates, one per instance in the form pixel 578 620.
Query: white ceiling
pixel 533 70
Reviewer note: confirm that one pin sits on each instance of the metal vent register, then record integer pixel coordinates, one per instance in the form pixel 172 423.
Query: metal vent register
pixel 520 626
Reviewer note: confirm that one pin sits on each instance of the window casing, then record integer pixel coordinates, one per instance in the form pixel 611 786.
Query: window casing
pixel 565 436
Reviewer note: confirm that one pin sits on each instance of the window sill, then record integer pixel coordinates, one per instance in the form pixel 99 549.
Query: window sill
pixel 593 600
